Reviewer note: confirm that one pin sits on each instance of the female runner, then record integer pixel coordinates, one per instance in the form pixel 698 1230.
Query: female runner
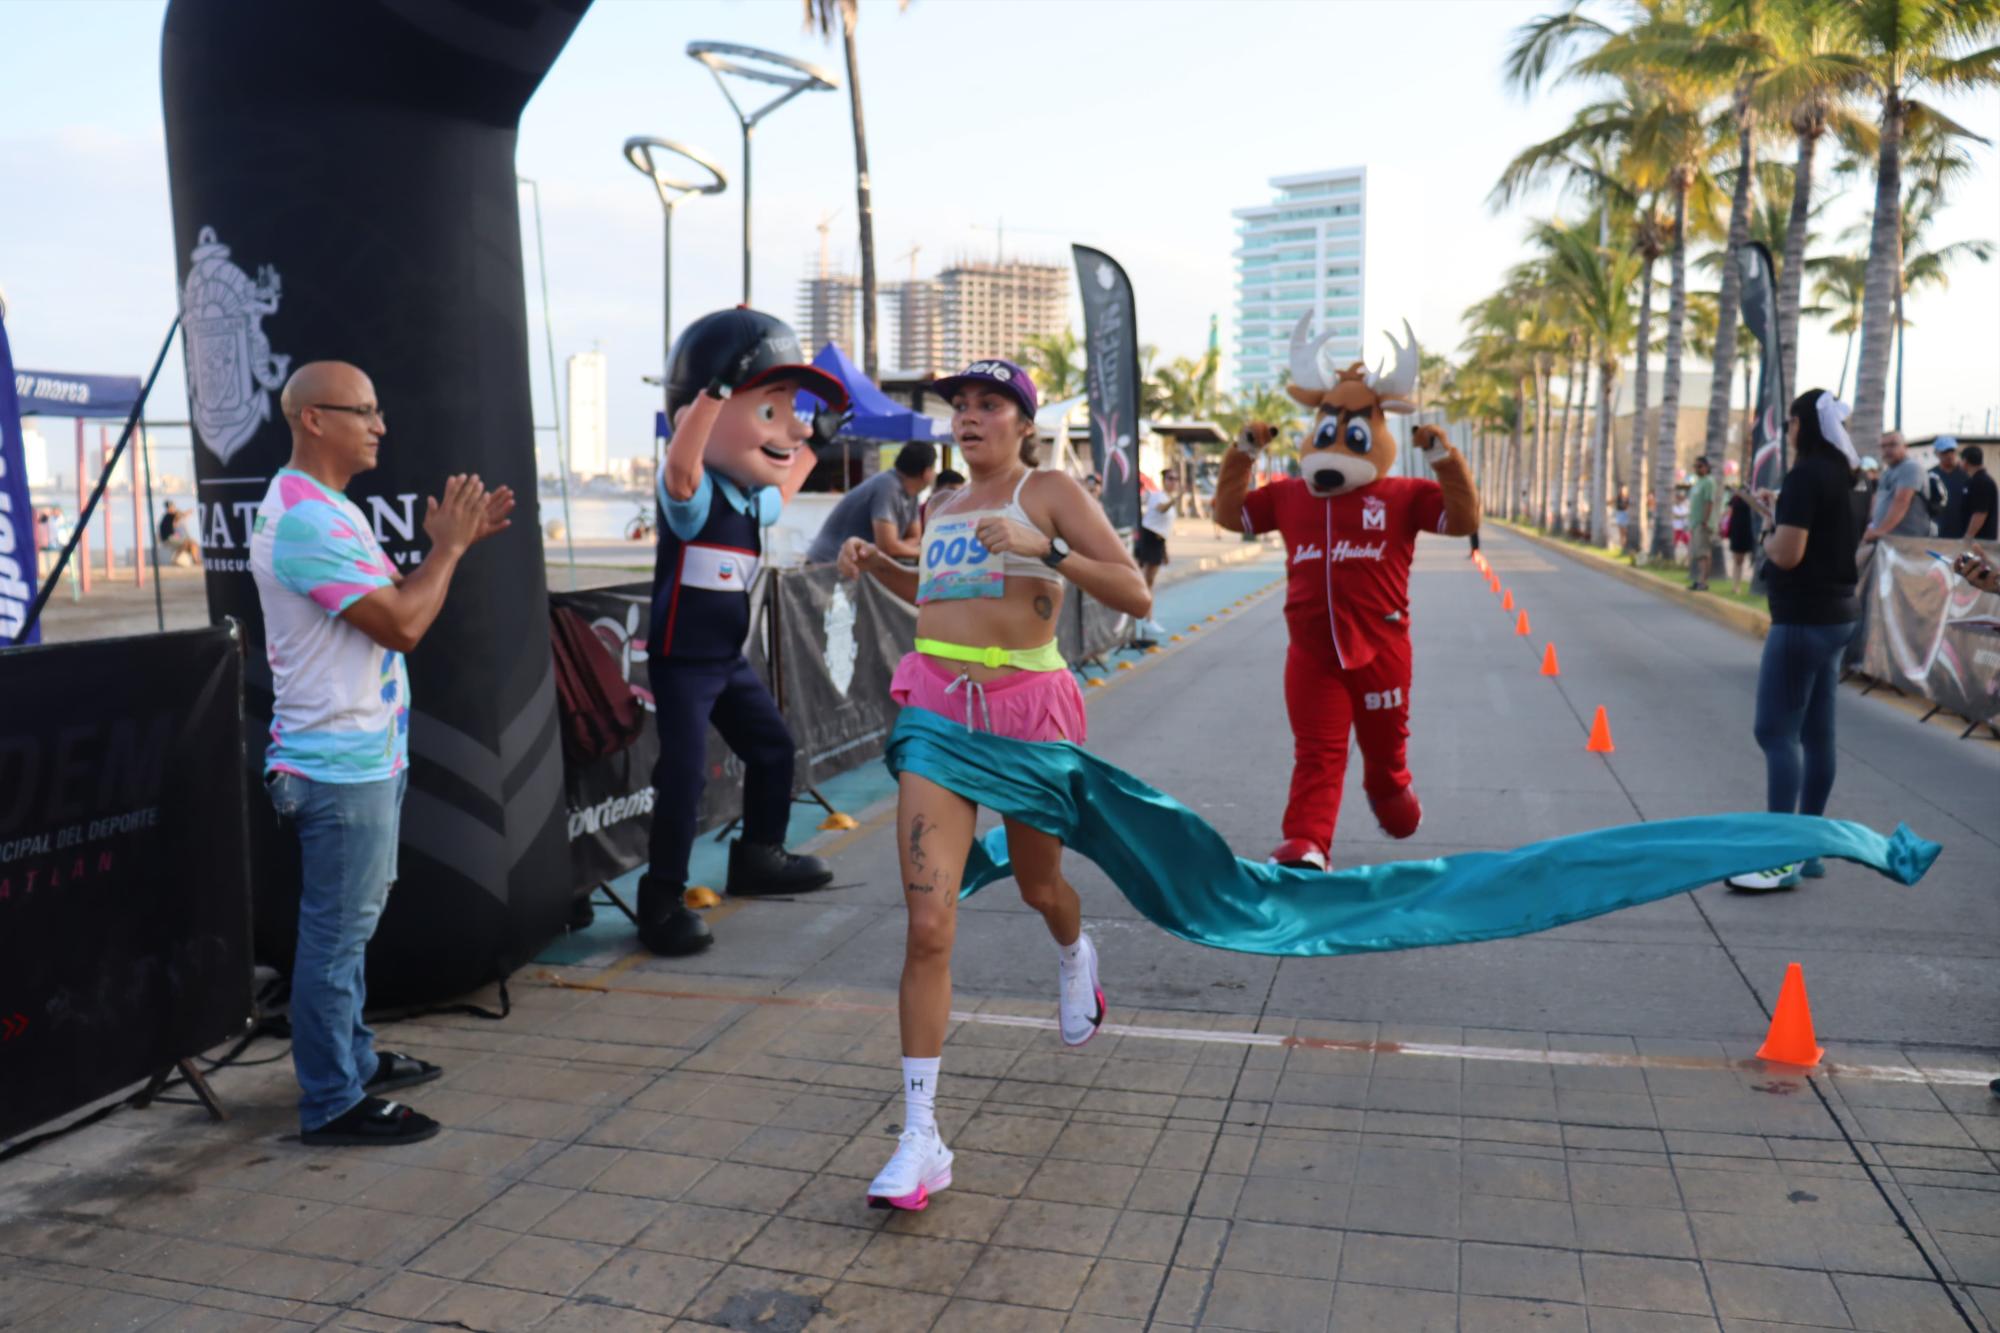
pixel 988 588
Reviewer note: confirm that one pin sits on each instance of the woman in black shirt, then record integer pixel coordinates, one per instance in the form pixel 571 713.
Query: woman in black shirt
pixel 1814 607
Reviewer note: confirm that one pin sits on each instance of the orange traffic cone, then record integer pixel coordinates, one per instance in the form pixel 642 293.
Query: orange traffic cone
pixel 1521 625
pixel 1549 667
pixel 1507 602
pixel 1600 734
pixel 1791 1039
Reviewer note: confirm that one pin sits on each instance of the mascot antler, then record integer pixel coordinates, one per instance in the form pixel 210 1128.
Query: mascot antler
pixel 1394 389
pixel 1307 371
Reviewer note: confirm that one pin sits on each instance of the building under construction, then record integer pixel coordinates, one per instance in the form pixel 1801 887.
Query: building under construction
pixel 916 329
pixel 985 308
pixel 827 305
pixel 974 308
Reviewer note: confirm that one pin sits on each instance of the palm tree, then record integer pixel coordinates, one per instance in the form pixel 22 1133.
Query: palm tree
pixel 1597 282
pixel 1057 363
pixel 821 16
pixel 1655 126
pixel 1904 48
pixel 1837 291
pixel 1268 403
pixel 1812 93
pixel 1185 388
pixel 1495 343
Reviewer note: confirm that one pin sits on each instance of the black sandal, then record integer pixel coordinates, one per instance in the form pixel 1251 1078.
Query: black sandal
pixel 373 1122
pixel 394 1071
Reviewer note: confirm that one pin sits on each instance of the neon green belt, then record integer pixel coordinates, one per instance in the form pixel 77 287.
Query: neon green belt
pixel 1048 657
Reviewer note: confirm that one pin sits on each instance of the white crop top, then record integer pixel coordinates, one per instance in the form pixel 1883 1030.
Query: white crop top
pixel 953 565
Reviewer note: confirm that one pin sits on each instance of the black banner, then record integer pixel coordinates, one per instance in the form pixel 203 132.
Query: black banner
pixel 1760 316
pixel 1927 631
pixel 287 128
pixel 839 643
pixel 124 871
pixel 1111 343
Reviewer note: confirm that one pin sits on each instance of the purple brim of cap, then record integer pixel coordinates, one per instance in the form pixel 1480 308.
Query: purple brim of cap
pixel 1017 384
pixel 810 378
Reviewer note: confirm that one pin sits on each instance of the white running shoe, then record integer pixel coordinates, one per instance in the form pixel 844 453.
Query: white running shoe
pixel 1766 881
pixel 920 1168
pixel 1080 998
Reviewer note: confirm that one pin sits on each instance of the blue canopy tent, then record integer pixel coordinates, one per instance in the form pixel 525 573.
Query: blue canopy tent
pixel 60 393
pixel 876 415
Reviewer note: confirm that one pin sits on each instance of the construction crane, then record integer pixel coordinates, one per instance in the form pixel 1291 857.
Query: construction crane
pixel 911 255
pixel 825 225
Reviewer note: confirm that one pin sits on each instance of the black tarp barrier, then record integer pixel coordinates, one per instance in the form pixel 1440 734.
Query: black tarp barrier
pixel 609 802
pixel 342 177
pixel 124 872
pixel 1926 631
pixel 838 645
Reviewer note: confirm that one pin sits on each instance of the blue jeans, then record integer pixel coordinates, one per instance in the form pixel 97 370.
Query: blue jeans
pixel 347 844
pixel 1796 684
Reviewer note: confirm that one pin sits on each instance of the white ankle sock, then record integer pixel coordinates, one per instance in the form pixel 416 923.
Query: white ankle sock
pixel 920 1078
pixel 1071 953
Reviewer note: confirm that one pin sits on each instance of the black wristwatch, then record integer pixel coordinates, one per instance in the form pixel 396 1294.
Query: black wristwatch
pixel 1057 553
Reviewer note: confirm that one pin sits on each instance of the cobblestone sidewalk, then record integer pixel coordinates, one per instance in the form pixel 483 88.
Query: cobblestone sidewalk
pixel 638 1149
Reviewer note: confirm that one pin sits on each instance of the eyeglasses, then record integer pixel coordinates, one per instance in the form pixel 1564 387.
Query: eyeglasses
pixel 367 411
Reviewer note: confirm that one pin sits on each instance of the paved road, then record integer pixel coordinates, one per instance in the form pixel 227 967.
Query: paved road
pixel 1556 1133
pixel 1498 753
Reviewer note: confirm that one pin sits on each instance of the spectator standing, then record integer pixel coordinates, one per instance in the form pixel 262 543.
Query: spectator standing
pixel 1704 518
pixel 338 617
pixel 1982 498
pixel 1814 606
pixel 1900 508
pixel 1682 550
pixel 1742 534
pixel 1947 481
pixel 1149 544
pixel 882 510
pixel 1621 522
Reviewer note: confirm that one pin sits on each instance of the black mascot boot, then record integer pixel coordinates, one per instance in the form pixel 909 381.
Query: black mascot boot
pixel 758 870
pixel 666 926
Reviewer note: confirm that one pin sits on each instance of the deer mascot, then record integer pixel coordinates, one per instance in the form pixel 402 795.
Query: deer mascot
pixel 1350 529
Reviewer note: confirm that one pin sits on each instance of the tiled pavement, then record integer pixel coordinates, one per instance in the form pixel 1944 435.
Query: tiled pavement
pixel 643 1157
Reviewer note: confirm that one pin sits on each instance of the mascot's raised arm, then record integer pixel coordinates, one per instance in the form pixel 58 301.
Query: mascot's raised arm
pixel 1350 530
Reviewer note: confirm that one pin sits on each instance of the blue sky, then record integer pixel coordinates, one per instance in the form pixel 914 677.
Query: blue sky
pixel 1134 127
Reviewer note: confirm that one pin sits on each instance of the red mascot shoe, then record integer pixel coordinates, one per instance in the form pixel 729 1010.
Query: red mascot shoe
pixel 1298 854
pixel 1399 815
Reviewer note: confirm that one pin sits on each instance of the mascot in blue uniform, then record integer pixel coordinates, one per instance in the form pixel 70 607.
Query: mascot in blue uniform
pixel 739 452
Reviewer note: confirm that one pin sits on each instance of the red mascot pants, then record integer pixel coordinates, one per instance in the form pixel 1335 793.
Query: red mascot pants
pixel 1325 703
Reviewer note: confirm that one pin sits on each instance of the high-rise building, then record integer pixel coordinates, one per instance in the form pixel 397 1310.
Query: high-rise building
pixel 589 415
pixel 917 333
pixel 827 305
pixel 1306 250
pixel 988 308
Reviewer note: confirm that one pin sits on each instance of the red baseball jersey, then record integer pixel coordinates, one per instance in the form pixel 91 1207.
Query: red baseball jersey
pixel 1349 558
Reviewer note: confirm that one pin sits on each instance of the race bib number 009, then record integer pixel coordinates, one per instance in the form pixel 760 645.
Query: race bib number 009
pixel 957 566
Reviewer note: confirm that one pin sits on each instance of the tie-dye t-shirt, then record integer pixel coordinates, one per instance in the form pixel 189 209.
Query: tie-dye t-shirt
pixel 343 701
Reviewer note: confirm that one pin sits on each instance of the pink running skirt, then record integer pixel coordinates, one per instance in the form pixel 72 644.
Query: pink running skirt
pixel 1026 706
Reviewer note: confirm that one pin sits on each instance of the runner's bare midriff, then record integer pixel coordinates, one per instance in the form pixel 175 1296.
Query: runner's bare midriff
pixel 1025 617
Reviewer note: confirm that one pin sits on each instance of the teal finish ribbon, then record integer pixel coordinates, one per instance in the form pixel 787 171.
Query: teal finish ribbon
pixel 1180 874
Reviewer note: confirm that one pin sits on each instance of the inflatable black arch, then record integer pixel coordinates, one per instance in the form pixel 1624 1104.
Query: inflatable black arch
pixel 343 188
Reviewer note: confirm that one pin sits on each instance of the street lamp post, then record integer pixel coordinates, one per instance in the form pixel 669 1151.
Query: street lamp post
pixel 759 66
pixel 639 151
